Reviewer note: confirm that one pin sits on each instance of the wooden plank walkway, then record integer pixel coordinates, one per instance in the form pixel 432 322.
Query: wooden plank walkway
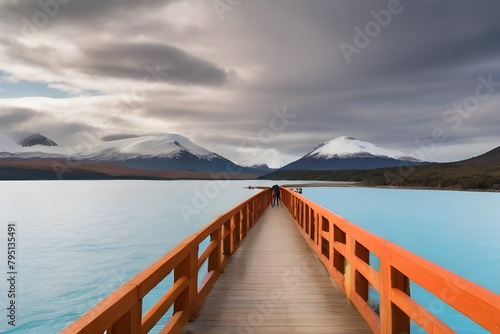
pixel 274 284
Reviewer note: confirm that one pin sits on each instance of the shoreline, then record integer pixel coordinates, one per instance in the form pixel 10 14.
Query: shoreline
pixel 342 184
pixel 331 184
pixel 359 185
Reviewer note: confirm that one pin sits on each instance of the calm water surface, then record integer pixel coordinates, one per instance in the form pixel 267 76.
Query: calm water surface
pixel 458 230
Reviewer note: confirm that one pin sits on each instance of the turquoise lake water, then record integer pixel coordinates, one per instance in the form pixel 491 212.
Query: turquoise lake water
pixel 460 231
pixel 80 240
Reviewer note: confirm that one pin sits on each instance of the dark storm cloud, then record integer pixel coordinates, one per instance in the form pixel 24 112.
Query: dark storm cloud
pixel 425 35
pixel 13 116
pixel 79 10
pixel 397 88
pixel 429 44
pixel 119 136
pixel 152 62
pixel 441 57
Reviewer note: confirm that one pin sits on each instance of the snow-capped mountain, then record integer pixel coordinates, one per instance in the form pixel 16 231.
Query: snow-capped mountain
pixel 158 145
pixel 159 151
pixel 149 152
pixel 36 139
pixel 349 147
pixel 11 149
pixel 349 153
pixel 268 160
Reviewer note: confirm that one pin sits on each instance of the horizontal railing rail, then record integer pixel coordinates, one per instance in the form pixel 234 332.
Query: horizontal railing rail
pixel 345 248
pixel 122 311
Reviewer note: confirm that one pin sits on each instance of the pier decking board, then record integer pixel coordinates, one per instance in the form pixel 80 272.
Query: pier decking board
pixel 275 284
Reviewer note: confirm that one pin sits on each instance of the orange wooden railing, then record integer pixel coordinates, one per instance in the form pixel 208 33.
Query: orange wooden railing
pixel 345 248
pixel 122 312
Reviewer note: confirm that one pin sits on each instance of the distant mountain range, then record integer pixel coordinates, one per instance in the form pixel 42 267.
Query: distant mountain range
pixel 171 156
pixel 268 160
pixel 478 173
pixel 156 152
pixel 349 153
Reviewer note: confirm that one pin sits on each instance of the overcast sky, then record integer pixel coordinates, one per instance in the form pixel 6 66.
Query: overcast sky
pixel 418 76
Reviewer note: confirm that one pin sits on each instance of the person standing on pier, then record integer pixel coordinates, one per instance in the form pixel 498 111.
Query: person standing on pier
pixel 276 195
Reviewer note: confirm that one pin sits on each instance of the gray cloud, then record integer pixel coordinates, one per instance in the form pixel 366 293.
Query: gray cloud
pixel 119 136
pixel 157 62
pixel 10 117
pixel 64 133
pixel 79 10
pixel 393 93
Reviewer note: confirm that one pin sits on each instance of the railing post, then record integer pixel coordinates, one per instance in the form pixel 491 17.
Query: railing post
pixel 400 320
pixel 312 229
pixel 385 299
pixel 244 222
pixel 136 318
pixel 237 231
pixel 331 239
pixel 130 323
pixel 300 214
pixel 306 226
pixel 261 204
pixel 264 202
pixel 215 259
pixel 318 229
pixel 227 238
pixel 251 214
pixel 350 271
pixel 296 208
pixel 392 319
pixel 308 214
pixel 187 268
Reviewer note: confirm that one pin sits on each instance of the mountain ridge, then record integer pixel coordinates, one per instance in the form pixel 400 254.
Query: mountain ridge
pixel 347 147
pixel 478 173
pixel 488 158
pixel 36 139
pixel 343 153
pixel 151 152
pixel 155 153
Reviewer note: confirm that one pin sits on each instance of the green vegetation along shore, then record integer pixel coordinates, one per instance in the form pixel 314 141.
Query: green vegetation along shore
pixel 434 176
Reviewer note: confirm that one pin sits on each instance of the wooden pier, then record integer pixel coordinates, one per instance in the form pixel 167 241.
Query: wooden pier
pixel 302 269
pixel 275 284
